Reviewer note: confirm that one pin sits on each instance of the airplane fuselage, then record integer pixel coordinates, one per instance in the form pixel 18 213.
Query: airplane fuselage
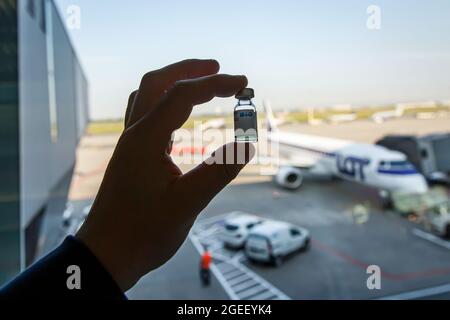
pixel 367 164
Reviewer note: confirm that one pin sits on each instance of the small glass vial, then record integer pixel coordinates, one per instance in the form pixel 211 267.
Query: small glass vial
pixel 245 117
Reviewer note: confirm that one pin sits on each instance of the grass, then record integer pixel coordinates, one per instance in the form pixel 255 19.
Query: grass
pixel 105 127
pixel 116 126
pixel 361 114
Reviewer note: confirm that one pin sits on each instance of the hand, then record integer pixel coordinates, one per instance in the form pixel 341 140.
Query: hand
pixel 145 206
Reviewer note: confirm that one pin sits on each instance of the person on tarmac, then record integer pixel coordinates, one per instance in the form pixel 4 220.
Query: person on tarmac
pixel 205 264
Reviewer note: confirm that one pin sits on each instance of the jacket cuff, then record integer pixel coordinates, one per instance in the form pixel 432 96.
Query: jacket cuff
pixel 71 271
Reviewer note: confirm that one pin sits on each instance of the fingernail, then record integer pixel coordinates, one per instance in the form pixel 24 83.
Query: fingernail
pixel 215 62
pixel 243 78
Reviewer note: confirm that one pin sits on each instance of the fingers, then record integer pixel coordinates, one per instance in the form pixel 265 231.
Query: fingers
pixel 154 84
pixel 130 108
pixel 205 181
pixel 173 112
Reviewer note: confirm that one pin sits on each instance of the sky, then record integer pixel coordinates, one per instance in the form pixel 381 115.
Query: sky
pixel 296 53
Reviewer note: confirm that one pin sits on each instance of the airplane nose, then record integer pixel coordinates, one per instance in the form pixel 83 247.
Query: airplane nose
pixel 418 185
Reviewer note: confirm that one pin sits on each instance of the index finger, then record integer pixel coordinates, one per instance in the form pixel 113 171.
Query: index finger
pixel 155 83
pixel 176 108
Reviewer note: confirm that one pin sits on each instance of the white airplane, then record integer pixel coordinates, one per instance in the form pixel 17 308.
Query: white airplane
pixel 340 118
pixel 218 123
pixel 367 164
pixel 384 116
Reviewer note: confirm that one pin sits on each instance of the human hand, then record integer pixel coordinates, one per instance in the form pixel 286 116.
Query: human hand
pixel 146 206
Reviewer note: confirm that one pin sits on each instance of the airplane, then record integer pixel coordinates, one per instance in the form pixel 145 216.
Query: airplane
pixel 340 118
pixel 368 164
pixel 399 111
pixel 218 123
pixel 383 116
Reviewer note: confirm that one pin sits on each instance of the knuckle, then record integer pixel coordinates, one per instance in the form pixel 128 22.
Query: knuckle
pixel 132 96
pixel 149 78
pixel 180 86
pixel 179 89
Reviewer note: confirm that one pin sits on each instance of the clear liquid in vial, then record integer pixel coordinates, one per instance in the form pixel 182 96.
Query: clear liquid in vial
pixel 246 123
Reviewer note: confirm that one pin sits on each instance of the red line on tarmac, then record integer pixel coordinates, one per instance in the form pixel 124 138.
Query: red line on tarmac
pixel 388 275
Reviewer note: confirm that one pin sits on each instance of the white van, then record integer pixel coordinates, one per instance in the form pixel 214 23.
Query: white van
pixel 439 219
pixel 236 228
pixel 272 241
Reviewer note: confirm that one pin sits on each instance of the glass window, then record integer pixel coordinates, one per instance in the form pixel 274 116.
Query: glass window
pixel 396 165
pixel 231 227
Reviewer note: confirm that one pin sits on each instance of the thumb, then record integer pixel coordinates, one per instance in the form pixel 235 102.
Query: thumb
pixel 203 183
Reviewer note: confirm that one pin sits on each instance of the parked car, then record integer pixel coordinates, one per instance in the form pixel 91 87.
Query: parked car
pixel 272 241
pixel 236 228
pixel 439 219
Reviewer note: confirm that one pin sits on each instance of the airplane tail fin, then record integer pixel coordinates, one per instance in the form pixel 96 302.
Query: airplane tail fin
pixel 271 123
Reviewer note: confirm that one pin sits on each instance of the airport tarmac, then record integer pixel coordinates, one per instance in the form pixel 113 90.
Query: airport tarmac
pixel 335 266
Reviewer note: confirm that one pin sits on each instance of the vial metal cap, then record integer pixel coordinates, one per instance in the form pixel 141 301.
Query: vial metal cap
pixel 245 94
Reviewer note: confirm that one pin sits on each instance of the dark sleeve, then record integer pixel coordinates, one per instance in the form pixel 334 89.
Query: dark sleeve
pixel 49 278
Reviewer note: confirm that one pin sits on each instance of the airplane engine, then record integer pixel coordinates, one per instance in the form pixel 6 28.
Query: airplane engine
pixel 289 177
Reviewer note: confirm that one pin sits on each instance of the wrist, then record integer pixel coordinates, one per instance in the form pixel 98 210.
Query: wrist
pixel 103 248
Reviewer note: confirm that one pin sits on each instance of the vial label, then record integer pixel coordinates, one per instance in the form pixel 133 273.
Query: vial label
pixel 246 126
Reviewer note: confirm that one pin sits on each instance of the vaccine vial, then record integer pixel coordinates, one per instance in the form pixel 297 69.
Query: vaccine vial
pixel 245 117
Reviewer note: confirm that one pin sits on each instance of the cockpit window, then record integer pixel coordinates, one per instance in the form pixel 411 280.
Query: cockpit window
pixel 397 166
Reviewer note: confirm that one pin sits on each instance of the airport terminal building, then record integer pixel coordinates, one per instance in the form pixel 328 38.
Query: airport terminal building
pixel 44 112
